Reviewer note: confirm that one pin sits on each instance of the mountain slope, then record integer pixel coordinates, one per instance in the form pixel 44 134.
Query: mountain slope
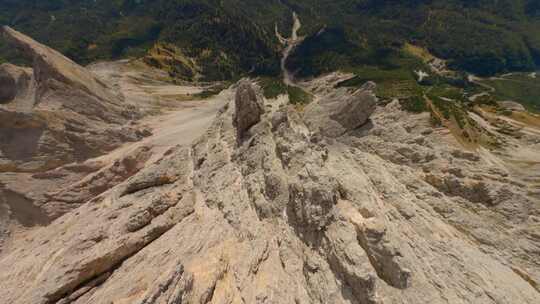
pixel 57 111
pixel 70 133
pixel 266 207
pixel 227 39
pixel 243 198
pixel 236 37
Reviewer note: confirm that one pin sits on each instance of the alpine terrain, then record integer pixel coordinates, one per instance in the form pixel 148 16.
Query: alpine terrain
pixel 303 152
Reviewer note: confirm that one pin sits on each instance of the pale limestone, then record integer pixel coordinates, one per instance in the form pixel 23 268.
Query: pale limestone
pixel 287 216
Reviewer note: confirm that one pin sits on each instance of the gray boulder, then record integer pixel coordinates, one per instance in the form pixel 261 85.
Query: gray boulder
pixel 248 109
pixel 341 111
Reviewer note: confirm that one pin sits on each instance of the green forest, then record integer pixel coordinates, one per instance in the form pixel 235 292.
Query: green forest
pixel 235 37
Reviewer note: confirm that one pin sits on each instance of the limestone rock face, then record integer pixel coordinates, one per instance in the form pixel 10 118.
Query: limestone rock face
pixel 248 109
pixel 338 111
pixel 57 112
pixel 51 67
pixel 52 115
pixel 16 84
pixel 288 215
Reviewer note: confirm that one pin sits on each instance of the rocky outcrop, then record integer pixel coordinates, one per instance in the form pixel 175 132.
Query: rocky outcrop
pixel 52 68
pixel 248 109
pixel 287 215
pixel 57 112
pixel 53 115
pixel 338 112
pixel 30 200
pixel 17 86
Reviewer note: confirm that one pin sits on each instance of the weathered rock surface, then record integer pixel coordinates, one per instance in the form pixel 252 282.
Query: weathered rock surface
pixel 338 112
pixel 53 117
pixel 248 109
pixel 29 200
pixel 289 214
pixel 57 112
pixel 52 68
pixel 17 85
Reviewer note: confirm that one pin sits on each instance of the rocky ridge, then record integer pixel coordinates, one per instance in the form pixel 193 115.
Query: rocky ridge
pixel 52 115
pixel 61 121
pixel 267 207
pixel 56 112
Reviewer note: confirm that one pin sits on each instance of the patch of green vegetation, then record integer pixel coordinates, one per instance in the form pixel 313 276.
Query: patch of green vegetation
pixel 236 37
pixel 452 33
pixel 442 105
pixel 461 116
pixel 448 92
pixel 297 96
pixel 170 59
pixel 395 76
pixel 272 87
pixel 482 37
pixel 414 104
pixel 451 103
pixel 487 100
pixel 224 39
pixel 332 50
pixel 519 88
